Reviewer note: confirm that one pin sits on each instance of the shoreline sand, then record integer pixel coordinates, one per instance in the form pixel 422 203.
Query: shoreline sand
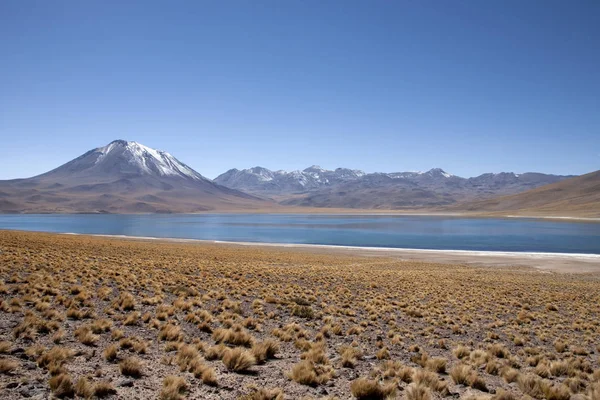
pixel 555 262
pixel 346 212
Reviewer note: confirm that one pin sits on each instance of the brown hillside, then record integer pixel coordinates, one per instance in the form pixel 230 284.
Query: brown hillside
pixel 579 196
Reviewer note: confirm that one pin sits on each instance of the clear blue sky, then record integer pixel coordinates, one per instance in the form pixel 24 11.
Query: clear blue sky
pixel 468 86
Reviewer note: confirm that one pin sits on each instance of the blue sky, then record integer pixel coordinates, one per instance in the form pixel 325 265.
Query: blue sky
pixel 468 86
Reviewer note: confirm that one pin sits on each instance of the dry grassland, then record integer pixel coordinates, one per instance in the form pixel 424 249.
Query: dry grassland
pixel 93 317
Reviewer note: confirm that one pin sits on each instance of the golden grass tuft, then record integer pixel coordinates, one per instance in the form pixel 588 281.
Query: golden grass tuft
pixel 131 366
pixel 62 386
pixel 436 365
pixel 310 374
pixel 56 356
pixel 104 389
pixel 417 392
pixel 236 336
pixel 84 388
pixel 264 394
pixel 110 353
pixel 8 366
pixel 5 346
pixel 350 356
pixel 266 350
pixel 207 374
pixel 186 354
pixel 174 388
pixel 464 375
pixel 367 389
pixel 238 359
pixel 171 333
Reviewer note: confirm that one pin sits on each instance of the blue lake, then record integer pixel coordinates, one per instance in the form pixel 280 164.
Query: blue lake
pixel 417 232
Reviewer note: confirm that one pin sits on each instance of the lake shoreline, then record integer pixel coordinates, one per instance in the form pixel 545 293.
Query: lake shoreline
pixel 554 262
pixel 344 212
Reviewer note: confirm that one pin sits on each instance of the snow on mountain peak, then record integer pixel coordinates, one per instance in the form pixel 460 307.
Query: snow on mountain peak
pixel 314 168
pixel 438 172
pixel 262 174
pixel 147 159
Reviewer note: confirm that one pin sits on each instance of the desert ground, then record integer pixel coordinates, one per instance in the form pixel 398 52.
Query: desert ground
pixel 94 317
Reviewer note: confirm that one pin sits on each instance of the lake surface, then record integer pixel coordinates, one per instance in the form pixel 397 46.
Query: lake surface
pixel 416 232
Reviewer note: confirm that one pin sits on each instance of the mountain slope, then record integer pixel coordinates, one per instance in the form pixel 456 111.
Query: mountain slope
pixel 122 177
pixel 347 188
pixel 579 196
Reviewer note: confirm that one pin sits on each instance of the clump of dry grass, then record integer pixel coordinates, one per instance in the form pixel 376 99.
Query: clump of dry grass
pixel 84 388
pixel 110 353
pixel 117 334
pixel 436 365
pixel 131 366
pixel 125 302
pixel 215 352
pixel 238 359
pixel 303 311
pixel 350 356
pixel 309 373
pixel 464 375
pixel 101 325
pixel 186 354
pixel 265 350
pixel 62 385
pixel 171 333
pixel 84 335
pixel 418 392
pixel 431 380
pixel 461 352
pixel 204 372
pixel 503 395
pixel 174 388
pixel 383 354
pixel 509 374
pixel 264 394
pixel 367 389
pixel 8 366
pixel 236 336
pixel 5 346
pixel 104 389
pixel 55 357
pixel 132 318
pixel 58 336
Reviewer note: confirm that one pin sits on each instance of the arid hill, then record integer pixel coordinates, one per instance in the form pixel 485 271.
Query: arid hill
pixel 579 196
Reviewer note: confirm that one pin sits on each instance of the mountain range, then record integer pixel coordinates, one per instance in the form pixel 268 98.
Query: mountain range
pixel 350 188
pixel 128 177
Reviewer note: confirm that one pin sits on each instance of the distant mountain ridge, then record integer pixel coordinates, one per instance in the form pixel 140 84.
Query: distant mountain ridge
pixel 262 179
pixel 122 176
pixel 343 187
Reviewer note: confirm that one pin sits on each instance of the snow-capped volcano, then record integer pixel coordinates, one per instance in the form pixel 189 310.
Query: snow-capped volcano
pixel 123 177
pixel 121 157
pixel 148 160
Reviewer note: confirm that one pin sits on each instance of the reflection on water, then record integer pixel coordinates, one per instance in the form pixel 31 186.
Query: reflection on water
pixel 421 232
